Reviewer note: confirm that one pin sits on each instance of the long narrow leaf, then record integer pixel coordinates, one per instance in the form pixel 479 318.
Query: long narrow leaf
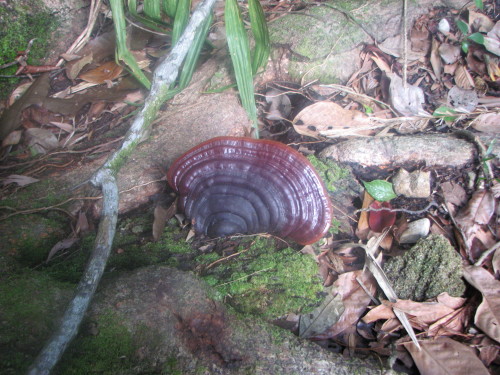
pixel 152 9
pixel 239 49
pixel 122 52
pixel 260 34
pixel 181 19
pixel 132 7
pixel 194 54
pixel 170 7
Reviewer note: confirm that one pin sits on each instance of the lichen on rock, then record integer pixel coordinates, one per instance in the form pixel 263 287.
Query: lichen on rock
pixel 429 268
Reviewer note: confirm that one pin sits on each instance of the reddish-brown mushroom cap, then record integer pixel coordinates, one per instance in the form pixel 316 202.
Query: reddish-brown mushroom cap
pixel 231 185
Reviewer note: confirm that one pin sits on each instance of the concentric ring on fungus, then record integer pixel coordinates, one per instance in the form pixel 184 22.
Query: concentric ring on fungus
pixel 230 185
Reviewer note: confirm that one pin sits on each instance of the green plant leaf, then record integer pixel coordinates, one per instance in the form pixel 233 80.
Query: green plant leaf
pixel 463 27
pixel 479 4
pixel 152 9
pixel 239 49
pixel 380 190
pixel 446 113
pixel 170 7
pixel 194 54
pixel 260 34
pixel 477 37
pixel 465 46
pixel 122 52
pixel 181 19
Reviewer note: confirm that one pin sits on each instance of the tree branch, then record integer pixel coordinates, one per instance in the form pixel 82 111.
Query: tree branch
pixel 105 178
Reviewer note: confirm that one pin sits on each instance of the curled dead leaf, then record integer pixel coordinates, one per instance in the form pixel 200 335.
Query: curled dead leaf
pixel 330 119
pixel 107 71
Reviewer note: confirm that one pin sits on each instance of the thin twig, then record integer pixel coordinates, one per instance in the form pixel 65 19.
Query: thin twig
pixel 164 76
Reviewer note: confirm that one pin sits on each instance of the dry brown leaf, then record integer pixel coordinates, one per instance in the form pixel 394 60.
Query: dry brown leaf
pixel 445 356
pixel 488 313
pixel 407 100
pixel 492 39
pixel 487 122
pixel 495 262
pixel 435 59
pixel 420 40
pixel 354 298
pixel 161 216
pixel 103 73
pixel 479 209
pixel 61 245
pixel 363 228
pixel 41 140
pixel 62 125
pixel 463 79
pixel 480 22
pixel 454 193
pixel 82 224
pixel 450 53
pixel 13 138
pixel 326 117
pixel 451 324
pixel 18 92
pixel 450 301
pixel 74 67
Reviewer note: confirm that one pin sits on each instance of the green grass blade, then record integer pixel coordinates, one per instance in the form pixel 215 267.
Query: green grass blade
pixel 239 49
pixel 132 7
pixel 260 34
pixel 194 54
pixel 181 19
pixel 152 9
pixel 122 52
pixel 170 7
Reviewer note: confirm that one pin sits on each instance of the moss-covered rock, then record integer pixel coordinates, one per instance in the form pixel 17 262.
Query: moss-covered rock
pixel 20 22
pixel 31 304
pixel 267 282
pixel 429 268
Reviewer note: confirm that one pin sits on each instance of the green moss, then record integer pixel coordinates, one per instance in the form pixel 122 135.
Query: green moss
pixel 266 281
pixel 329 171
pixel 30 197
pixel 29 238
pixel 30 305
pixel 122 158
pixel 429 268
pixel 21 21
pixel 110 351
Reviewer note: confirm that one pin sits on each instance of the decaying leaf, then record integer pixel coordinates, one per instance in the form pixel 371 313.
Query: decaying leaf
pixel 487 122
pixel 435 59
pixel 492 39
pixel 279 105
pixel 462 100
pixel 74 67
pixel 106 72
pixel 444 356
pixel 463 79
pixel 323 317
pixel 323 118
pixel 488 313
pixel 479 210
pixel 480 21
pixel 407 100
pixel 18 179
pixel 450 53
pixel 454 193
pixel 13 138
pixel 161 216
pixel 61 245
pixel 41 140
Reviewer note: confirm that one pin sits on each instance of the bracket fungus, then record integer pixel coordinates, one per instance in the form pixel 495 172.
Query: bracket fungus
pixel 230 185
